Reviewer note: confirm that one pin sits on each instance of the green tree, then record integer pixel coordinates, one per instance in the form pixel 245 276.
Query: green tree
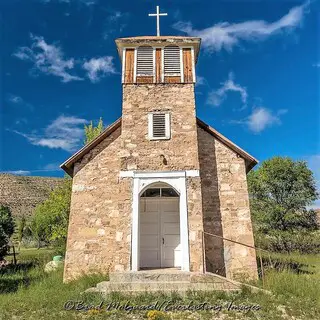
pixel 50 221
pixel 91 131
pixel 280 190
pixel 6 229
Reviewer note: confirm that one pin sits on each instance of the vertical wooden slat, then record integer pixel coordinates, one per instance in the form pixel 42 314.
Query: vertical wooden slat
pixel 129 65
pixel 158 65
pixel 187 65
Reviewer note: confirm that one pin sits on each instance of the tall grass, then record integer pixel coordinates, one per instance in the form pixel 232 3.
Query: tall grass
pixel 32 294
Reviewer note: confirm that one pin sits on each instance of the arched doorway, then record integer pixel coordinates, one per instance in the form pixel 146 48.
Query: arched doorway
pixel 159 227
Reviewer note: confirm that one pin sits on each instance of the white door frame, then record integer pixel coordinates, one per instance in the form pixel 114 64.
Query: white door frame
pixel 141 181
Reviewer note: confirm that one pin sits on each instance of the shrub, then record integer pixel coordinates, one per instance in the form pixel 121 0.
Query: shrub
pixel 286 241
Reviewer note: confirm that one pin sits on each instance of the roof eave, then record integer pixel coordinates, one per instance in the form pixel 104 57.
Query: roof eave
pixel 67 166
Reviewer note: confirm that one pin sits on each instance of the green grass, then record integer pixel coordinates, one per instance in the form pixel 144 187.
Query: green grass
pixel 29 293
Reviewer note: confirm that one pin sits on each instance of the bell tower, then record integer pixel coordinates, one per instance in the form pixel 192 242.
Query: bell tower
pixel 159 138
pixel 158 109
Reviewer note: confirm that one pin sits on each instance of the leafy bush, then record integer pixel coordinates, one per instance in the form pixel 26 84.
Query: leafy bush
pixel 286 241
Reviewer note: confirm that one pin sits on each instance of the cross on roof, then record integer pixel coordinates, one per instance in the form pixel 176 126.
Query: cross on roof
pixel 158 14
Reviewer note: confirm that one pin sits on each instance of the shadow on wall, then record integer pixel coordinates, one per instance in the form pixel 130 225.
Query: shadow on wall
pixel 214 247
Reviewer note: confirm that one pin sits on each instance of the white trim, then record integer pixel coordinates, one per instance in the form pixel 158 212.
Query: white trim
pixel 135 66
pixel 193 66
pixel 162 64
pixel 135 227
pixel 184 230
pixel 126 174
pixel 141 181
pixel 181 66
pixel 123 64
pixel 154 64
pixel 168 126
pixel 192 173
pixel 161 174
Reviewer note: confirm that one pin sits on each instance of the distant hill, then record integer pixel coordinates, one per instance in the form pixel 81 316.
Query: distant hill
pixel 22 193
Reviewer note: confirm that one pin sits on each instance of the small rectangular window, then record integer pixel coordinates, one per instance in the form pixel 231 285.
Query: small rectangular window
pixel 159 126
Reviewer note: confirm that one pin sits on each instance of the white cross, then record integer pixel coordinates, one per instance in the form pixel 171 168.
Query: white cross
pixel 158 14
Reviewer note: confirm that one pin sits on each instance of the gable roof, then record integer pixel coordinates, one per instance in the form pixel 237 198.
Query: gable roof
pixel 68 165
pixel 249 159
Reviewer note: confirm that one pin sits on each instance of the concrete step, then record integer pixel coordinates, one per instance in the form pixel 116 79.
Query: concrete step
pixel 182 286
pixel 149 276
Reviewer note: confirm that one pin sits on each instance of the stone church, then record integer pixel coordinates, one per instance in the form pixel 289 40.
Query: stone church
pixel 159 188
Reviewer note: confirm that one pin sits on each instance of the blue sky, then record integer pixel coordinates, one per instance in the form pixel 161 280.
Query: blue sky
pixel 258 73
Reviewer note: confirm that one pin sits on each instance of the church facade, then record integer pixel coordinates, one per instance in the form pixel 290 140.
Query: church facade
pixel 159 188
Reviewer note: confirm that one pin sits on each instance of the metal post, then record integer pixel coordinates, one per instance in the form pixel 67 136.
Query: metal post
pixel 14 256
pixel 203 254
pixel 262 271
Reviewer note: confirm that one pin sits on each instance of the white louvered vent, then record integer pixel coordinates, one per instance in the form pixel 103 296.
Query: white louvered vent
pixel 159 126
pixel 145 61
pixel 172 60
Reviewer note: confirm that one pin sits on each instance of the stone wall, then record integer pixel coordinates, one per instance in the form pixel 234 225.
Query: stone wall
pixel 23 193
pixel 100 218
pixel 139 153
pixel 226 210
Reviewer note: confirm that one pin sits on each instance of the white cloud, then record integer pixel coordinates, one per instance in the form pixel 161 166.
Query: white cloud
pixel 85 2
pixel 48 59
pixel 225 35
pixel 99 67
pixel 216 97
pixel 15 99
pixel 18 172
pixel 261 118
pixel 63 133
pixel 201 81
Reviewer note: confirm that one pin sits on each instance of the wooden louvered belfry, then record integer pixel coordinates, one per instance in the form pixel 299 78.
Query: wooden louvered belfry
pixel 158 59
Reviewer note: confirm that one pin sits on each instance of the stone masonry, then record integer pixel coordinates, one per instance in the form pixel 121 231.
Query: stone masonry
pixel 99 235
pixel 226 213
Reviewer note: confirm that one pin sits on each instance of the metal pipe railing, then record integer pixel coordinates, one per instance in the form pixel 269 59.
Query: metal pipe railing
pixel 237 242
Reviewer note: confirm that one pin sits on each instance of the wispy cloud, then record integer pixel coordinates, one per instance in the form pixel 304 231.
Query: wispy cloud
pixel 18 172
pixel 48 59
pixel 261 118
pixel 201 81
pixel 17 100
pixel 85 2
pixel 114 22
pixel 99 67
pixel 65 132
pixel 225 35
pixel 317 65
pixel 216 97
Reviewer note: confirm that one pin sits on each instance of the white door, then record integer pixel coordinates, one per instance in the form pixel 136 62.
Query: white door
pixel 150 251
pixel 159 233
pixel 170 229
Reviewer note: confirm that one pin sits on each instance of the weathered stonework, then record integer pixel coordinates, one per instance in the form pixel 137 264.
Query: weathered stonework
pixel 226 210
pixel 100 212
